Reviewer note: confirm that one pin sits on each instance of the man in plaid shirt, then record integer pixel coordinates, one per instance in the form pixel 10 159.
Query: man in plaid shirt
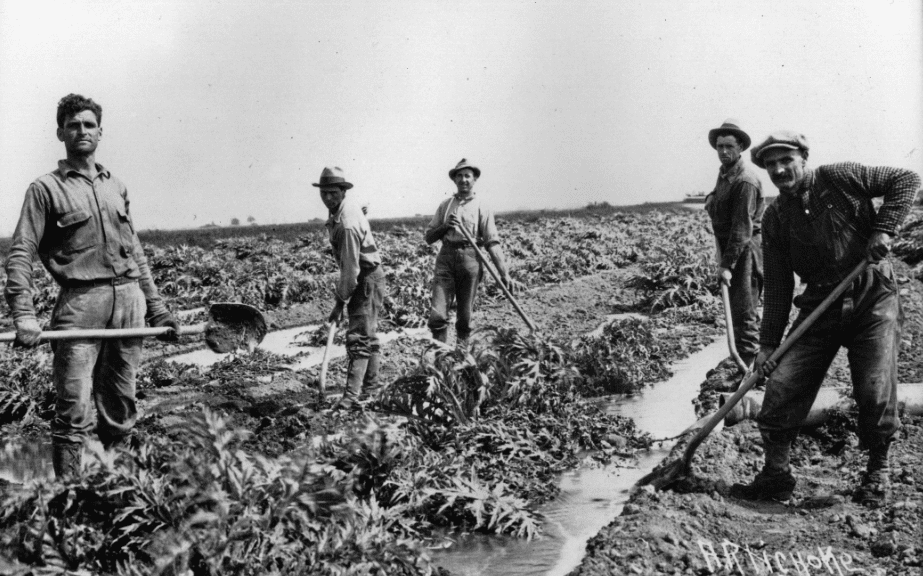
pixel 820 228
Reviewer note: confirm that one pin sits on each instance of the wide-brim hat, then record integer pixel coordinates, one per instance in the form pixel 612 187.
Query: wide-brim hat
pixel 785 139
pixel 333 176
pixel 462 164
pixel 732 127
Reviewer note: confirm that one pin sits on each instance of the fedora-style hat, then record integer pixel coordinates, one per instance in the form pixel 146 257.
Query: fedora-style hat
pixel 333 177
pixel 463 163
pixel 782 139
pixel 732 127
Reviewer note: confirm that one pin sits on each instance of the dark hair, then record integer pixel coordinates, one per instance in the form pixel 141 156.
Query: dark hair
pixel 75 104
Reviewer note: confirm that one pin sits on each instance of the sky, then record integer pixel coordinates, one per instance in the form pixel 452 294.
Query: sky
pixel 220 110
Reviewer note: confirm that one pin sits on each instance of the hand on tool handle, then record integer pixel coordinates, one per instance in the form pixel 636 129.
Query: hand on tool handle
pixel 764 364
pixel 879 245
pixel 337 314
pixel 166 320
pixel 723 276
pixel 28 332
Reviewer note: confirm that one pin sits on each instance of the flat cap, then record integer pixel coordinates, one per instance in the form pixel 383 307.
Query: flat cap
pixel 781 139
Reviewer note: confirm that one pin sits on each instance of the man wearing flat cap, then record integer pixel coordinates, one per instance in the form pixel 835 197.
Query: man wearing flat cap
pixel 361 286
pixel 820 228
pixel 458 271
pixel 736 207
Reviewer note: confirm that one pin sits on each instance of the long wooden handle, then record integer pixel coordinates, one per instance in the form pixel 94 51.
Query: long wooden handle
pixel 331 330
pixel 490 268
pixel 751 381
pixel 108 334
pixel 732 346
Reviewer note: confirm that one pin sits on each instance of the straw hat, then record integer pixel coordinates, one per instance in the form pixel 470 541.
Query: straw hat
pixel 333 177
pixel 464 164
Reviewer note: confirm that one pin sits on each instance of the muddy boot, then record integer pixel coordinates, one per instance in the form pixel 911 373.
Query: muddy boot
pixel 442 335
pixel 876 482
pixel 775 480
pixel 370 383
pixel 355 374
pixel 65 458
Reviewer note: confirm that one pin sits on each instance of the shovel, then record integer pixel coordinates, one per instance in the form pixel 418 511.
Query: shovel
pixel 726 298
pixel 490 268
pixel 665 475
pixel 231 326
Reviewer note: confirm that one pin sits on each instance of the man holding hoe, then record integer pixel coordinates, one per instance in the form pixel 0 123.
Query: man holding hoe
pixel 822 226
pixel 76 219
pixel 736 207
pixel 458 271
pixel 361 287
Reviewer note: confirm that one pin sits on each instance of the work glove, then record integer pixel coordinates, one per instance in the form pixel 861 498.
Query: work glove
pixel 165 319
pixel 27 332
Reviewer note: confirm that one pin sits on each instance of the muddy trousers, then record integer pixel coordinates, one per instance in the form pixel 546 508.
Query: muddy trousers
pixel 745 290
pixel 867 321
pixel 362 346
pixel 456 278
pixel 98 373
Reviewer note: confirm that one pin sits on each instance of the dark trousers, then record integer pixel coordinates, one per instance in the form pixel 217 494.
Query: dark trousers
pixel 457 276
pixel 363 309
pixel 745 290
pixel 867 321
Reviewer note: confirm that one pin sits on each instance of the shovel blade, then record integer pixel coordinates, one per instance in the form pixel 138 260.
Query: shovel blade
pixel 233 326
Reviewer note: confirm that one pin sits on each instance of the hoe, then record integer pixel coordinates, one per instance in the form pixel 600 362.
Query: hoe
pixel 231 326
pixel 667 474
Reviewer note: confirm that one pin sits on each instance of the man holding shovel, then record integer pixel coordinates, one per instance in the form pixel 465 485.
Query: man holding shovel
pixel 736 207
pixel 458 270
pixel 361 287
pixel 76 219
pixel 821 227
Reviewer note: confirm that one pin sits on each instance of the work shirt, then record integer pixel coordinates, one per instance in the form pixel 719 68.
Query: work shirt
pixel 353 246
pixel 735 207
pixel 846 188
pixel 476 217
pixel 82 231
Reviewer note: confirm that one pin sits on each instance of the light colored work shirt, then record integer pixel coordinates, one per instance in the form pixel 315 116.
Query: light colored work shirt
pixel 476 217
pixel 82 231
pixel 353 246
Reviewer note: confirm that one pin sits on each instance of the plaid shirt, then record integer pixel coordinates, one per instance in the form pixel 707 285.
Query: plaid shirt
pixel 850 185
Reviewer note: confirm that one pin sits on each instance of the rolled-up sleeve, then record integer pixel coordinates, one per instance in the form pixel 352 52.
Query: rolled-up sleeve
pixel 487 227
pixel 19 264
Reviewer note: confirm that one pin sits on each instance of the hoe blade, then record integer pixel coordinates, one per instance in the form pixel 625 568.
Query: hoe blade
pixel 233 326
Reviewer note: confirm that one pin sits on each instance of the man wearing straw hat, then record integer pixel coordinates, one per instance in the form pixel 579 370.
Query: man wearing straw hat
pixel 76 220
pixel 821 227
pixel 736 207
pixel 458 271
pixel 361 286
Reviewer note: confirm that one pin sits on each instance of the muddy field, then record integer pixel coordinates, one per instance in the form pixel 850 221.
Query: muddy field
pixel 244 467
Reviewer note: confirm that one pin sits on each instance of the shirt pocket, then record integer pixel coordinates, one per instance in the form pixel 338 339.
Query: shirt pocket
pixel 126 231
pixel 77 232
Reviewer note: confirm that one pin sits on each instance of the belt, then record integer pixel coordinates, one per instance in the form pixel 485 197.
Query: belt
pixel 116 281
pixel 451 244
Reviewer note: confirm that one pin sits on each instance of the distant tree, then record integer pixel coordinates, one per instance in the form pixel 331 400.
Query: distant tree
pixel 251 220
pixel 235 222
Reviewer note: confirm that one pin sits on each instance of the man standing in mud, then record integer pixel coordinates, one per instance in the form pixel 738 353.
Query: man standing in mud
pixel 458 271
pixel 820 228
pixel 736 207
pixel 361 287
pixel 76 219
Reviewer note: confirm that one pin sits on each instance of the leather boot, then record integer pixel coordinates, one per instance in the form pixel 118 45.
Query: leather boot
pixel 442 335
pixel 875 488
pixel 775 480
pixel 355 374
pixel 65 458
pixel 370 385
